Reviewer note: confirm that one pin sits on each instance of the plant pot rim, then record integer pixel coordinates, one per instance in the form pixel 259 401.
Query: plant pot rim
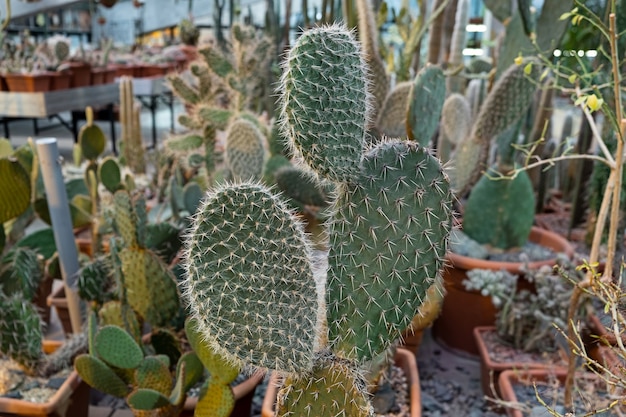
pixel 503 366
pixel 403 358
pixel 15 406
pixel 537 235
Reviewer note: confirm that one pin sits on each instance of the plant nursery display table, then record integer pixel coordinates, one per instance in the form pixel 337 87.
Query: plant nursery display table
pixel 14 105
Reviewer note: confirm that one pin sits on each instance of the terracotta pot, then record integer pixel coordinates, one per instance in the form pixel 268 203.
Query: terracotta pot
pixel 109 75
pixel 155 70
pixel 71 399
pixel 403 359
pixel 244 394
pixel 123 69
pixel 3 84
pixel 463 310
pixel 490 370
pixel 600 332
pixel 81 74
pixel 97 75
pixel 28 83
pixel 60 80
pixel 541 377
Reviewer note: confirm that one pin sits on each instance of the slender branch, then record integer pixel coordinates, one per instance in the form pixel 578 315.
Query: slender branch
pixel 596 134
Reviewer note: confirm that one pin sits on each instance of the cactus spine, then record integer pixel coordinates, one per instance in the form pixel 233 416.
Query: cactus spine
pixel 388 236
pixel 319 134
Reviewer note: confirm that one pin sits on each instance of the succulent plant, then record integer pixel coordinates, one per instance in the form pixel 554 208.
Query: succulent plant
pixel 245 150
pixel 189 33
pixel 391 120
pixel 131 137
pixel 118 366
pixel 424 104
pixel 247 253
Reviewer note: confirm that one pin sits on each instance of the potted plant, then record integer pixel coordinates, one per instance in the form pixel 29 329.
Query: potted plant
pixel 275 307
pixel 22 342
pixel 54 52
pixel 524 335
pixel 497 220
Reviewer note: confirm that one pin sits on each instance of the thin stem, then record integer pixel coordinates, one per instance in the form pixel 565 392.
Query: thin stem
pixel 596 134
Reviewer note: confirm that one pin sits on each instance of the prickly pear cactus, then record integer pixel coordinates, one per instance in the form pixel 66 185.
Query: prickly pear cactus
pixel 250 261
pixel 334 387
pixel 403 204
pixel 456 118
pixel 245 151
pixel 500 213
pixel 301 186
pixel 14 189
pixel 326 115
pixel 424 104
pixel 392 116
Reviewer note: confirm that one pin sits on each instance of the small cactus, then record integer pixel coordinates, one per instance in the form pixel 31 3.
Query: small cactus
pixel 21 331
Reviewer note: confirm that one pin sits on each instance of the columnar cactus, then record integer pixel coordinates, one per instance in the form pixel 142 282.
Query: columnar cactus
pixel 249 267
pixel 132 142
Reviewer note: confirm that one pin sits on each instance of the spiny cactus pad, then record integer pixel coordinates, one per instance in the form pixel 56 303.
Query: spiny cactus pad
pixel 117 348
pixel 245 152
pixel 500 212
pixel 217 365
pixel 325 101
pixel 154 374
pixel 14 189
pixel 392 116
pixel 249 283
pixel 334 388
pixel 110 174
pixel 456 118
pixel 147 399
pixel 92 141
pixel 97 374
pixel 388 242
pixel 301 185
pixel 424 104
pixel 216 399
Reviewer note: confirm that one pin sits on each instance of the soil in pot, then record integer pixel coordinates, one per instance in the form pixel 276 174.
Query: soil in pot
pixel 496 357
pixel 64 393
pixel 517 387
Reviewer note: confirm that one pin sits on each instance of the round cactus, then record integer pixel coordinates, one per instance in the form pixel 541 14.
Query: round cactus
pixel 249 283
pixel 388 240
pixel 325 115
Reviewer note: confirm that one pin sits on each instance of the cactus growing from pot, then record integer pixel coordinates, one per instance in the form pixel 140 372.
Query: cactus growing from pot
pixel 118 366
pixel 247 253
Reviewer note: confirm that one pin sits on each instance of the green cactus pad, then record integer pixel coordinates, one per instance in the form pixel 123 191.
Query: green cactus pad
pixel 192 194
pixel 216 399
pixel 166 342
pixel 325 101
pixel 97 374
pixel 217 118
pixel 125 219
pixel 6 149
pixel 114 313
pixel 183 90
pixel 110 174
pixel 301 186
pixel 150 286
pixel 388 240
pixel 500 213
pixel 245 152
pixel 147 400
pixel 217 365
pixel 14 189
pixel 117 347
pixel 93 278
pixel 193 370
pixel 21 271
pixel 216 61
pixel 425 103
pixel 456 118
pixel 272 166
pixel 249 282
pixel 392 116
pixel 185 143
pixel 152 373
pixel 92 141
pixel 333 388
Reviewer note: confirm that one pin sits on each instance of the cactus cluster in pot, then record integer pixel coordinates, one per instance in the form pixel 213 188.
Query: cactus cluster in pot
pixel 251 282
